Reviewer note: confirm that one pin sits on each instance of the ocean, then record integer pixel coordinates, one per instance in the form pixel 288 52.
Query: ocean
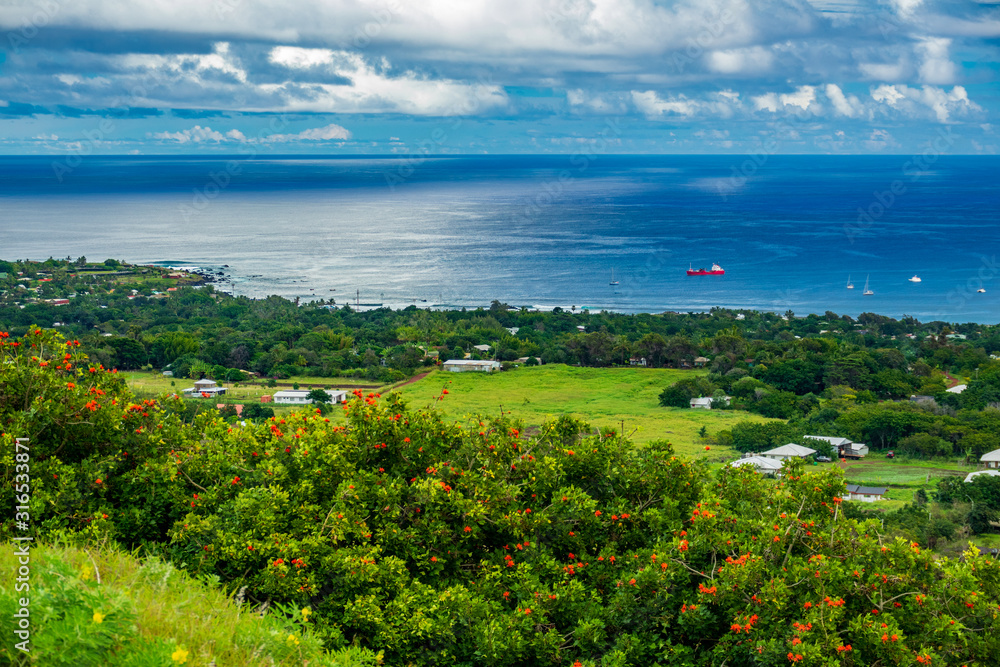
pixel 536 231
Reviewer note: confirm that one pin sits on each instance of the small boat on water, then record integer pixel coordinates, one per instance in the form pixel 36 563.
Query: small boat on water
pixel 981 290
pixel 613 281
pixel 868 291
pixel 716 270
pixel 915 279
pixel 850 285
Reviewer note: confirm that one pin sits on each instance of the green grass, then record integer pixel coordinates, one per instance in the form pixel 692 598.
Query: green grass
pixel 105 607
pixel 604 397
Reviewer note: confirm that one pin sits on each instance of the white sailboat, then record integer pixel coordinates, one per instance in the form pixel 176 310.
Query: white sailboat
pixel 867 291
pixel 850 285
pixel 613 281
pixel 914 279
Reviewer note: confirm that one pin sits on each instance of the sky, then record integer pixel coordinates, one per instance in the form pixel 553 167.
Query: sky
pixel 504 76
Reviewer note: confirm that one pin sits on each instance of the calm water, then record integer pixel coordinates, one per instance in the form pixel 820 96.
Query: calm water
pixel 536 230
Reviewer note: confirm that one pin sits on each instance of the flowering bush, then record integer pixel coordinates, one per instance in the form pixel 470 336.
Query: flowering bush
pixel 441 543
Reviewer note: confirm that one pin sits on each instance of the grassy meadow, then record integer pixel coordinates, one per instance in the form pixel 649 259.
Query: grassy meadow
pixel 613 397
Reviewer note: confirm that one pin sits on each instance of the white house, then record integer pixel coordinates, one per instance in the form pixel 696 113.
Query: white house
pixel 866 494
pixel 762 465
pixel 957 389
pixel 301 396
pixel 482 348
pixel 789 451
pixel 991 459
pixel 842 447
pixel 471 365
pixel 991 473
pixel 201 387
pixel 705 402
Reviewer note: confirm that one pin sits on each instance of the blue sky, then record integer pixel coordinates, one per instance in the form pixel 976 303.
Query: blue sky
pixel 501 76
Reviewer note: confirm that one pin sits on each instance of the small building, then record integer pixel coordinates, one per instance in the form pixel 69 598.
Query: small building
pixel 701 361
pixel 481 348
pixel 789 451
pixel 842 447
pixel 167 374
pixel 762 465
pixel 957 389
pixel 59 302
pixel 989 473
pixel 513 330
pixel 266 398
pixel 471 365
pixel 866 494
pixel 237 406
pixel 205 388
pixel 991 459
pixel 301 396
pixel 637 361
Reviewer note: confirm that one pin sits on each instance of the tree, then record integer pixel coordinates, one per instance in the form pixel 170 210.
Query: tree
pixel 318 396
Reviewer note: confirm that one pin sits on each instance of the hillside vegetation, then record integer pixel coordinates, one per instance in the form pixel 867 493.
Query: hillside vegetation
pixel 435 543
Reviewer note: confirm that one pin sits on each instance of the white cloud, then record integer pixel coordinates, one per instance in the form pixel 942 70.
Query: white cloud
pixel 887 94
pixel 884 71
pixel 650 104
pixel 802 97
pixel 198 134
pixel 843 105
pixel 298 58
pixel 936 67
pixel 765 102
pixel 916 101
pixel 330 132
pixel 740 61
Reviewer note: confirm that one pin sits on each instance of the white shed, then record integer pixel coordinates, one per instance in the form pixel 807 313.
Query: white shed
pixel 471 365
pixel 762 465
pixel 301 396
pixel 789 451
pixel 991 459
pixel 990 473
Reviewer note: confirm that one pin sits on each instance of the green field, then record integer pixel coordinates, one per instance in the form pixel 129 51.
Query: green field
pixel 604 397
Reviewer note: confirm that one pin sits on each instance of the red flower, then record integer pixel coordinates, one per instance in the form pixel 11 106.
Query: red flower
pixel 97 481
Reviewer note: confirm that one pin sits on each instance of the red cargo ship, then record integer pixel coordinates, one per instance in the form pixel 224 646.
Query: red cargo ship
pixel 715 271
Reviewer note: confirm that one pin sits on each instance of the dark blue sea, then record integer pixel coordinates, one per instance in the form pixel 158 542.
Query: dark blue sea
pixel 537 231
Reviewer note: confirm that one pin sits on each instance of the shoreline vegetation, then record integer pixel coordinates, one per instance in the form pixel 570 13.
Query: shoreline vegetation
pixel 571 508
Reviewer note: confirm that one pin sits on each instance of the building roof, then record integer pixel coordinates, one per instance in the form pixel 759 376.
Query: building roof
pixel 482 348
pixel 205 383
pixel 701 359
pixel 791 449
pixel 470 362
pixel 988 473
pixel 701 400
pixel 957 389
pixel 757 461
pixel 991 456
pixel 867 490
pixel 835 441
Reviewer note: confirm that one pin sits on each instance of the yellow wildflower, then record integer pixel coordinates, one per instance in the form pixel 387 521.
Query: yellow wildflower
pixel 292 639
pixel 306 612
pixel 179 656
pixel 98 617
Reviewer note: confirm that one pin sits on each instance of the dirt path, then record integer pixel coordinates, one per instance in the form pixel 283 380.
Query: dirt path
pixel 952 380
pixel 415 378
